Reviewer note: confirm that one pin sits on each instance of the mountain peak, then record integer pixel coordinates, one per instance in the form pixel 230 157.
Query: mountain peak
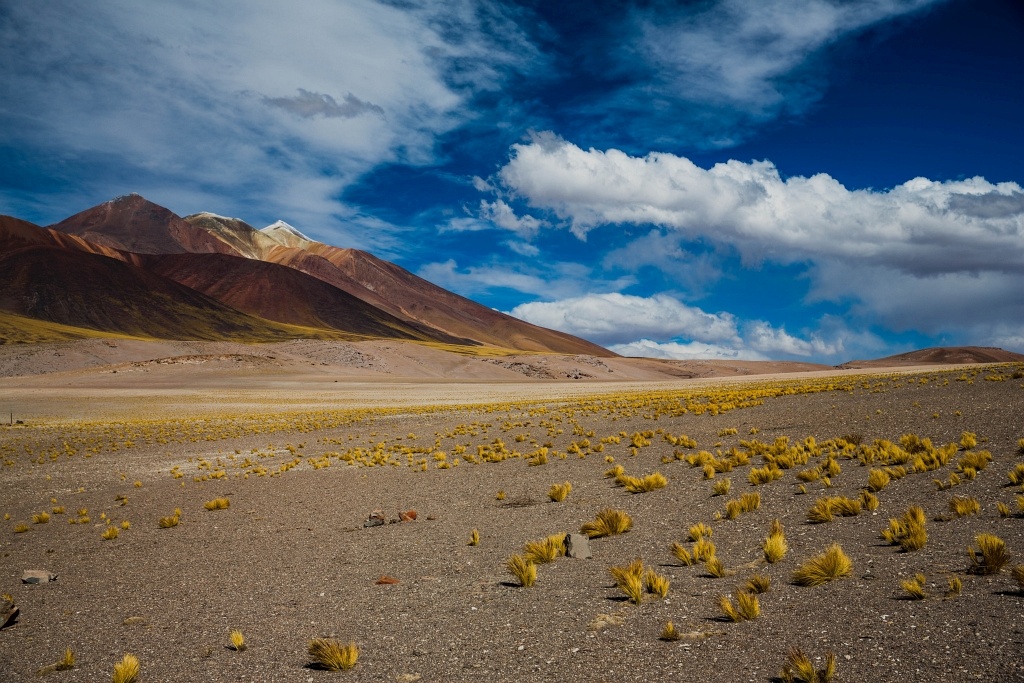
pixel 286 234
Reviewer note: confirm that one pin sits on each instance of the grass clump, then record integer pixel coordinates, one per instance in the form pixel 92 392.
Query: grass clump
pixel 630 580
pixel 41 518
pixel 961 506
pixel 546 550
pixel 670 633
pixel 990 556
pixel 747 607
pixel 703 550
pixel 956 586
pixel 715 568
pixel 908 532
pixel 127 670
pixel 217 504
pixel 168 522
pixel 721 487
pixel 656 584
pixel 237 640
pixel 1016 475
pixel 609 522
pixel 655 480
pixel 331 655
pixel 758 584
pixel 474 537
pixel 524 570
pixel 700 530
pixel 877 480
pixel 764 475
pixel 558 492
pixel 110 533
pixel 21 528
pixel 682 554
pixel 775 546
pixel 748 502
pixel 828 566
pixel 824 509
pixel 798 668
pixel 914 588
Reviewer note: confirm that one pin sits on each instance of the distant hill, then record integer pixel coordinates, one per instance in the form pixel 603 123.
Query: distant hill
pixel 132 267
pixel 942 355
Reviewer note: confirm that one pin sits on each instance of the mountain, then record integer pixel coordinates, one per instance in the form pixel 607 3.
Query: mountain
pixel 132 223
pixel 125 259
pixel 955 355
pixel 391 288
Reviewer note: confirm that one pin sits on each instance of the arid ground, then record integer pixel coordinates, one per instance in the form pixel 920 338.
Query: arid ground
pixel 305 454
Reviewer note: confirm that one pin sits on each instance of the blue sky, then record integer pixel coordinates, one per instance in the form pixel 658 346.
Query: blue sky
pixel 805 179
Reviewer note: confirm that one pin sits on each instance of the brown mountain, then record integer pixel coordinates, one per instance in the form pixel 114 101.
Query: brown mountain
pixel 278 293
pixel 391 288
pixel 954 355
pixel 276 274
pixel 96 292
pixel 132 223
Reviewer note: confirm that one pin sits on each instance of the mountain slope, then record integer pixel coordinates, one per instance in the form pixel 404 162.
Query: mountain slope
pixel 278 293
pixel 95 292
pixel 941 355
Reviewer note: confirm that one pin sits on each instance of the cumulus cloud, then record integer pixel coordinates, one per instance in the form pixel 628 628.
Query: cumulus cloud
pixel 660 326
pixel 615 318
pixel 920 227
pixel 646 348
pixel 923 255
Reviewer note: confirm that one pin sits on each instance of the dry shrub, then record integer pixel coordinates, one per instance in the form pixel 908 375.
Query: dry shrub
pixel 331 655
pixel 990 556
pixel 609 522
pixel 524 571
pixel 558 492
pixel 961 506
pixel 127 670
pixel 828 566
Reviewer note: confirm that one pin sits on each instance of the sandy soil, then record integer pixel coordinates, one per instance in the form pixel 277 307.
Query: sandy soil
pixel 290 560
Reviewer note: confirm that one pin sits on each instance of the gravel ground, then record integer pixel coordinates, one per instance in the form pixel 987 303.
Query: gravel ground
pixel 290 560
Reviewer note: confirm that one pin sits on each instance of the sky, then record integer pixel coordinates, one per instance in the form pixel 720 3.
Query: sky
pixel 817 180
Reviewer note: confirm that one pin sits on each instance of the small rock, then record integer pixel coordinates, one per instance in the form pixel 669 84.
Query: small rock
pixel 407 516
pixel 37 576
pixel 376 518
pixel 578 546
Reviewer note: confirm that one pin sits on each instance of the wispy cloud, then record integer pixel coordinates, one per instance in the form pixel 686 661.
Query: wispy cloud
pixel 245 106
pixel 546 280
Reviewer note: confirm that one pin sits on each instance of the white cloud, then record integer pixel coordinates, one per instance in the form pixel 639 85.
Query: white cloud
pixel 761 336
pixel 922 255
pixel 619 318
pixel 645 348
pixel 736 51
pixel 660 326
pixel 245 104
pixel 921 226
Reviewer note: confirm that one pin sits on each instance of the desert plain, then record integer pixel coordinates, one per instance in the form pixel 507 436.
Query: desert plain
pixel 307 441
